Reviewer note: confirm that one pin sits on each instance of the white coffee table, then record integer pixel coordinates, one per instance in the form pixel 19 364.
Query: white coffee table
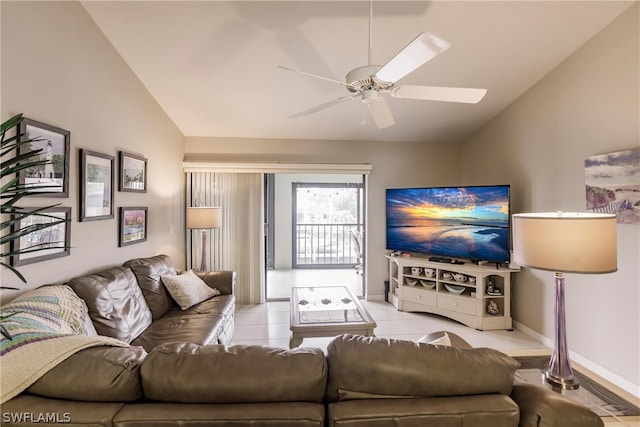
pixel 326 312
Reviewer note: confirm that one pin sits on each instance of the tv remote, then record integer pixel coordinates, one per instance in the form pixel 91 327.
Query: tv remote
pixel 440 259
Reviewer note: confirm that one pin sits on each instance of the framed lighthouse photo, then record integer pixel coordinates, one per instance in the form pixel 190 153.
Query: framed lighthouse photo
pixel 49 175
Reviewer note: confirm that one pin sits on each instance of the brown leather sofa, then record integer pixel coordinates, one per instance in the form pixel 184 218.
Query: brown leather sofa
pixel 361 381
pixel 377 382
pixel 130 303
pixel 182 374
pixel 177 384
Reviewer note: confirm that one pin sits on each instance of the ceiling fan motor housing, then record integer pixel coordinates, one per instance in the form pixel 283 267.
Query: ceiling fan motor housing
pixel 362 79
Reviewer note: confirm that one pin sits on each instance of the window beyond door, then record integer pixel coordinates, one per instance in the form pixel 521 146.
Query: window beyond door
pixel 327 225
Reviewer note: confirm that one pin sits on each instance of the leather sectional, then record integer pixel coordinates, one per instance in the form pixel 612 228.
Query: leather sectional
pixel 179 370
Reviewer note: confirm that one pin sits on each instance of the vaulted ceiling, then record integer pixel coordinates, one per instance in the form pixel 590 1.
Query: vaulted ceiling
pixel 213 65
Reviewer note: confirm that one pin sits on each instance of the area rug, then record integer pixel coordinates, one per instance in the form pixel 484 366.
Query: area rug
pixel 595 396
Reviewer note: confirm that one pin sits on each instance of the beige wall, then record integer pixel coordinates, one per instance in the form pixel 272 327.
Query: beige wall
pixel 58 68
pixel 394 164
pixel 589 105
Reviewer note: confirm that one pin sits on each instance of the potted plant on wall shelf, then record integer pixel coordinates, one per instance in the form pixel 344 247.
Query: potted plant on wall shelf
pixel 17 156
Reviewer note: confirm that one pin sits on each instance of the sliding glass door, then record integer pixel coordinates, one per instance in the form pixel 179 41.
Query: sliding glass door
pixel 314 232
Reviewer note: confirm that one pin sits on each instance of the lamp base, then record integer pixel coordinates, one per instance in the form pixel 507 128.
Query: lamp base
pixel 203 260
pixel 560 383
pixel 560 374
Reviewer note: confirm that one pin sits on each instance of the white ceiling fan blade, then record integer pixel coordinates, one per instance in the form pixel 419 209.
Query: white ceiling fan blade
pixel 422 49
pixel 316 76
pixel 437 93
pixel 322 106
pixel 378 109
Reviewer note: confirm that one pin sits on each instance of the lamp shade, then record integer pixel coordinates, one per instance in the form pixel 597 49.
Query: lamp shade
pixel 566 242
pixel 199 218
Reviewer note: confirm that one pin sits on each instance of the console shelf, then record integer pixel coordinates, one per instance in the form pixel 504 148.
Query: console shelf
pixel 478 296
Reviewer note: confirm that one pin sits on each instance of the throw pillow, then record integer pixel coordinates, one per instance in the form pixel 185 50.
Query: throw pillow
pixel 443 340
pixel 49 309
pixel 187 289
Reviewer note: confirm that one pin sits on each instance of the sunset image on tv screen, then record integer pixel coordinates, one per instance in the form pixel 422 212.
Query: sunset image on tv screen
pixel 461 222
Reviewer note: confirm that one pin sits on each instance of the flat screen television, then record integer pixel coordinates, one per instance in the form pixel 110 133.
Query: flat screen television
pixel 471 222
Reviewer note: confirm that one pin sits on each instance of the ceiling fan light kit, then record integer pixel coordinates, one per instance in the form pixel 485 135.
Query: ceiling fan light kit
pixel 370 82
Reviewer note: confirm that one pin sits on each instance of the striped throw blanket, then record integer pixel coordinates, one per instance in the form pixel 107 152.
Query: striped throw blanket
pixel 45 325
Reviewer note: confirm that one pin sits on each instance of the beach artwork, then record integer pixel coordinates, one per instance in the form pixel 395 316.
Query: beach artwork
pixel 613 184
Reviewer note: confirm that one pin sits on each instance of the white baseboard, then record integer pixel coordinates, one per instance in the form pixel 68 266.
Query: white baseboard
pixel 615 379
pixel 376 297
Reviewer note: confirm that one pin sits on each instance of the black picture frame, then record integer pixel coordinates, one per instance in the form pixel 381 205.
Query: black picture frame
pixel 51 180
pixel 58 235
pixel 96 185
pixel 132 175
pixel 133 225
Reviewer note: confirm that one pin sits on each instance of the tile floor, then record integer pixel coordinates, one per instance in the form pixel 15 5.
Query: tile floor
pixel 280 281
pixel 268 324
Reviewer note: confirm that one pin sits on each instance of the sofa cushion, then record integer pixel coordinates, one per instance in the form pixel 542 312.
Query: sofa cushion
pixel 197 329
pixel 116 305
pixel 223 305
pixel 368 367
pixel 27 410
pixel 187 289
pixel 279 414
pixel 96 374
pixel 148 272
pixel 488 410
pixel 219 374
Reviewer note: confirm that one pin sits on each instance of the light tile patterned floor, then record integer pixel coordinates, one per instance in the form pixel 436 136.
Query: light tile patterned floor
pixel 280 281
pixel 268 324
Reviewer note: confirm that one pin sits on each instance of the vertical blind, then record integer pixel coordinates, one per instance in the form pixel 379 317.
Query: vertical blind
pixel 238 245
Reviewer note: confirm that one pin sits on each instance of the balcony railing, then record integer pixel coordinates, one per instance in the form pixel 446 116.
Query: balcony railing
pixel 327 245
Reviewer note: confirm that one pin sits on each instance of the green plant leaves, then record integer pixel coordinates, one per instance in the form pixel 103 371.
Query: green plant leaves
pixel 12 191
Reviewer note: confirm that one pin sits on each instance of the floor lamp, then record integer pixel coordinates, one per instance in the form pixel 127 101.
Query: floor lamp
pixel 204 219
pixel 564 243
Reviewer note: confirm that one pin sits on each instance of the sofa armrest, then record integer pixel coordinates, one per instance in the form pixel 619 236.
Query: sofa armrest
pixel 224 281
pixel 540 407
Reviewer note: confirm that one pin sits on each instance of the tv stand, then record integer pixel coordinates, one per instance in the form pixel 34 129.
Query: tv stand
pixel 484 298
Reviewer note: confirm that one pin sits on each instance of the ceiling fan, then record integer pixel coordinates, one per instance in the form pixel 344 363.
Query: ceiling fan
pixel 370 82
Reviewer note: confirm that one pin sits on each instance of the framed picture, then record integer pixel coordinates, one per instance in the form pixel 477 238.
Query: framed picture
pixel 96 185
pixel 43 243
pixel 52 178
pixel 133 173
pixel 133 225
pixel 613 184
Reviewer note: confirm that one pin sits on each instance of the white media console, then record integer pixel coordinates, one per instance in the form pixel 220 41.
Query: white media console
pixel 479 296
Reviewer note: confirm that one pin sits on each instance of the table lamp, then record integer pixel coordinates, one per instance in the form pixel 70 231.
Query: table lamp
pixel 569 243
pixel 204 218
